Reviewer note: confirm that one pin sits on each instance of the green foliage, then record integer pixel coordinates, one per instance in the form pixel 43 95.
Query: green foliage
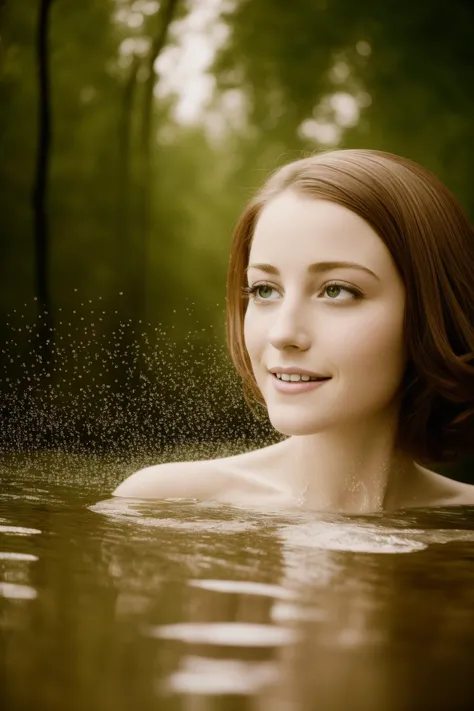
pixel 407 65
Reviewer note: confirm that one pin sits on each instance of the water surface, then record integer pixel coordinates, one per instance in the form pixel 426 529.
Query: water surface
pixel 116 604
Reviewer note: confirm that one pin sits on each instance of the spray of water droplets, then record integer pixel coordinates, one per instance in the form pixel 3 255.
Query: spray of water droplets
pixel 104 385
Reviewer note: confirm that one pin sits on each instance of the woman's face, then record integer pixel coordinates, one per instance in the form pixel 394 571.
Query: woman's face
pixel 309 313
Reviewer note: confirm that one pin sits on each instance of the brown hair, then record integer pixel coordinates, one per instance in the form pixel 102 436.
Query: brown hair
pixel 432 244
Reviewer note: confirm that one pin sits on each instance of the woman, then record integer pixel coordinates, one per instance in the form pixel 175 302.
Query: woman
pixel 350 317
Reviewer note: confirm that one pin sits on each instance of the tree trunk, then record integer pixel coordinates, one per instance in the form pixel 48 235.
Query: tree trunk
pixel 39 196
pixel 145 150
pixel 125 182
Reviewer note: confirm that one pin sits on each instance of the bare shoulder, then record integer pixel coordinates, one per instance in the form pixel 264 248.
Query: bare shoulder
pixel 223 479
pixel 464 495
pixel 445 491
pixel 187 480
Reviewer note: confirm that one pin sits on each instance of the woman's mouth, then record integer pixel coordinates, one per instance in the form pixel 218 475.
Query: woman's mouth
pixel 296 383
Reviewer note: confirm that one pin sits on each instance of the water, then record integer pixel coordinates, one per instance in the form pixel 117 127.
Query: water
pixel 110 385
pixel 116 604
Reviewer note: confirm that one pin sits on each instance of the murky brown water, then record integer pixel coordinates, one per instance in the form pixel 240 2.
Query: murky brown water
pixel 111 604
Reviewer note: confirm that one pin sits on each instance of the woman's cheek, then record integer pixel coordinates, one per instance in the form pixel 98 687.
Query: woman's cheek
pixel 379 339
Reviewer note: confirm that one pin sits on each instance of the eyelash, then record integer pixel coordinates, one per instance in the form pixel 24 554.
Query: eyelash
pixel 250 292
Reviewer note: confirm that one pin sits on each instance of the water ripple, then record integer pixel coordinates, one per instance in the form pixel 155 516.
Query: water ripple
pixel 18 530
pixel 368 539
pixel 229 634
pixel 7 555
pixel 198 675
pixel 17 592
pixel 243 587
pixel 127 513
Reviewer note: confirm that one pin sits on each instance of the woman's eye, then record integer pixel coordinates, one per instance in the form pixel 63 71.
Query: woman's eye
pixel 333 291
pixel 263 291
pixel 259 292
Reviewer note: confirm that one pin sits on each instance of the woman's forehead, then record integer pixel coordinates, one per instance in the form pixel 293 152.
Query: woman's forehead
pixel 296 228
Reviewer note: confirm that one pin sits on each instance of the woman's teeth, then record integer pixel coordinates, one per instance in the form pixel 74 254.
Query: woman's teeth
pixel 295 377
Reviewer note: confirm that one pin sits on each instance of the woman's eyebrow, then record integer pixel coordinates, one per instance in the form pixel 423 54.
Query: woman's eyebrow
pixel 315 268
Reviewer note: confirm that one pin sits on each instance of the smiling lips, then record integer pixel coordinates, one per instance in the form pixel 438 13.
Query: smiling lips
pixel 296 374
pixel 296 382
pixel 297 377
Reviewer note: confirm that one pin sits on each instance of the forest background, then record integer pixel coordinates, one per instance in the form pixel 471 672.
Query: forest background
pixel 132 132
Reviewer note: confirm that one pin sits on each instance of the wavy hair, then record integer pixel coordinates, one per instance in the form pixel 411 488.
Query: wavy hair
pixel 432 245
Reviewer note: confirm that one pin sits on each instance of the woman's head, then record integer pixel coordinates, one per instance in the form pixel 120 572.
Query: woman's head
pixel 404 344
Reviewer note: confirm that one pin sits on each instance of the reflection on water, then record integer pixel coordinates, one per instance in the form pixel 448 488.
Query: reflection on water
pixel 18 530
pixel 20 592
pixel 217 677
pixel 109 603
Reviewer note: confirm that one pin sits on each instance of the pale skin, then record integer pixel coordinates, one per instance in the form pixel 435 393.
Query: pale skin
pixel 308 311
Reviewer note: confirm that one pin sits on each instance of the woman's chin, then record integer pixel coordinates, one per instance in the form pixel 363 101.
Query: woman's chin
pixel 293 425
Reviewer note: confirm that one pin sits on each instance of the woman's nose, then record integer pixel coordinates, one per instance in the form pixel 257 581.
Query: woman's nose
pixel 289 330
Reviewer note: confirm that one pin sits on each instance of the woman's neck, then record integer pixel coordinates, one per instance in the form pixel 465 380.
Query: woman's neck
pixel 349 474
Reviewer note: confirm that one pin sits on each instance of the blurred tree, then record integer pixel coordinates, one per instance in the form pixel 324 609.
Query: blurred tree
pixel 40 206
pixel 165 17
pixel 390 75
pixel 124 162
